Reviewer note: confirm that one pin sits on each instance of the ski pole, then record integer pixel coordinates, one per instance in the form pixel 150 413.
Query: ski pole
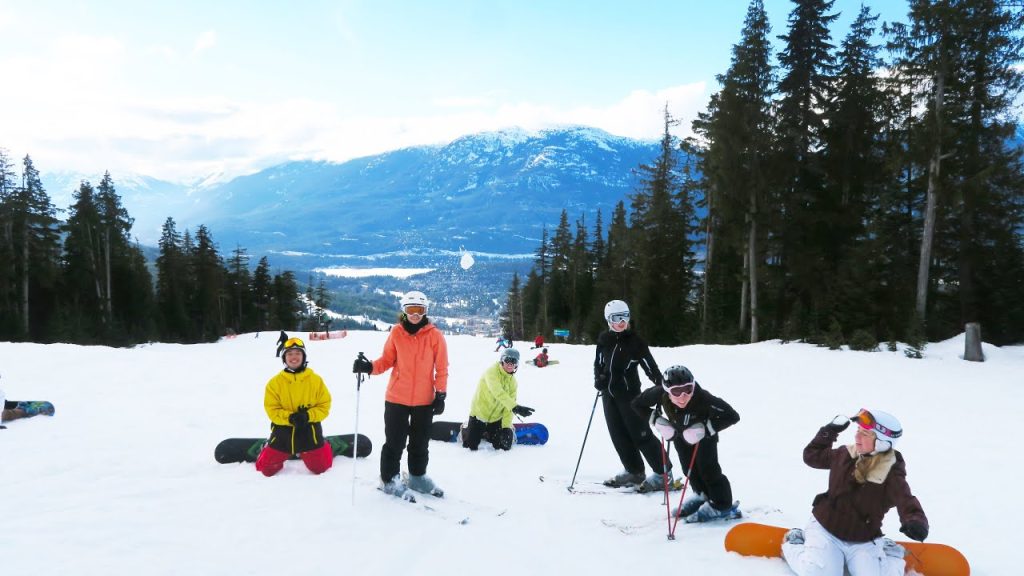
pixel 668 507
pixel 587 433
pixel 355 440
pixel 689 471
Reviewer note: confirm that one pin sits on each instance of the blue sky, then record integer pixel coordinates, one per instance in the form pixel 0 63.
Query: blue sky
pixel 186 89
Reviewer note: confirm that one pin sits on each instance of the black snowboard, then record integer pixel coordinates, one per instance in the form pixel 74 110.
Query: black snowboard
pixel 235 450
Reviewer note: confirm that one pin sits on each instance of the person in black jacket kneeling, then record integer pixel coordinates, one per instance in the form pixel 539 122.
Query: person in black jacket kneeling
pixel 693 418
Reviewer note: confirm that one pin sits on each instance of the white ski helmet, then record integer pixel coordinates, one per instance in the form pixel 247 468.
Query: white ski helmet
pixel 615 307
pixel 886 427
pixel 414 297
pixel 509 354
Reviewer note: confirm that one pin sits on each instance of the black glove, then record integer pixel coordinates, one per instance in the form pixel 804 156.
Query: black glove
pixel 438 404
pixel 523 411
pixel 300 417
pixel 915 530
pixel 362 365
pixel 600 383
pixel 838 424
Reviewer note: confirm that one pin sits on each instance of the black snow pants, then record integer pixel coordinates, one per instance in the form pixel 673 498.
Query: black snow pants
pixel 403 422
pixel 706 476
pixel 631 435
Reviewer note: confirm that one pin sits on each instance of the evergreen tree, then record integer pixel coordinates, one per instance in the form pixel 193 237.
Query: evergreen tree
pixel 208 313
pixel 35 242
pixel 238 285
pixel 800 207
pixel 262 294
pixel 172 285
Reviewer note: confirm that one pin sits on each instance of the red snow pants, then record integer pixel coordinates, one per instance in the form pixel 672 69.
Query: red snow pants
pixel 271 460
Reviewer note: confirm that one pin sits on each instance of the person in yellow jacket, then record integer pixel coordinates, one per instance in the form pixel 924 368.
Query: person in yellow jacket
pixel 494 403
pixel 417 355
pixel 297 401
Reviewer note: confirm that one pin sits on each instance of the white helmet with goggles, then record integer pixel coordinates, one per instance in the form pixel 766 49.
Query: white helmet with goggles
pixel 885 426
pixel 415 300
pixel 616 311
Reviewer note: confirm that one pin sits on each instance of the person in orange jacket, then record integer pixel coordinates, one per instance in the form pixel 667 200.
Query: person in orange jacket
pixel 417 351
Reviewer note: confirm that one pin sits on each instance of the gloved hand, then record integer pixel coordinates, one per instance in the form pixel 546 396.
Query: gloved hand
pixel 438 404
pixel 600 383
pixel 523 411
pixel 695 433
pixel 362 365
pixel 915 530
pixel 665 428
pixel 300 417
pixel 838 424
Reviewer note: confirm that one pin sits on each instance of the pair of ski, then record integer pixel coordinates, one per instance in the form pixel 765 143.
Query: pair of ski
pixel 436 503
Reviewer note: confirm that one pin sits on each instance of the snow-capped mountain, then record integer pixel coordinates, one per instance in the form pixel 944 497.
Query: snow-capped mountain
pixel 492 191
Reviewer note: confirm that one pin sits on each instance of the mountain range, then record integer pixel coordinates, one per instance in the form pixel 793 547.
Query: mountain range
pixel 490 192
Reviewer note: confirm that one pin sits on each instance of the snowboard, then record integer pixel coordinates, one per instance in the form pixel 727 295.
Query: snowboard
pixel 527 433
pixel 929 559
pixel 235 450
pixel 550 363
pixel 333 335
pixel 31 407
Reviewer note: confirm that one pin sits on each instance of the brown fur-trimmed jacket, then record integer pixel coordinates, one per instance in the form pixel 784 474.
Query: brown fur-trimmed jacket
pixel 860 489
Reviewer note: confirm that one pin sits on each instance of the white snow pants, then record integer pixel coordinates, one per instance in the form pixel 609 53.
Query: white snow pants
pixel 822 554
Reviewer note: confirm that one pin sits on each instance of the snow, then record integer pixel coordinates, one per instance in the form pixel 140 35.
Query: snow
pixel 122 479
pixel 344 272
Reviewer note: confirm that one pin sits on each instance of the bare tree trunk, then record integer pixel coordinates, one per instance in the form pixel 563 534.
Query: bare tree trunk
pixel 927 237
pixel 24 281
pixel 110 308
pixel 743 291
pixel 752 266
pixel 707 268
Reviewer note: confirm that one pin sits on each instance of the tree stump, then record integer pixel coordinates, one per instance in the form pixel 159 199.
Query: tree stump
pixel 972 343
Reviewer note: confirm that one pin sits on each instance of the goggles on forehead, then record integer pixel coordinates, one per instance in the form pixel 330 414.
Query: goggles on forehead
pixel 293 343
pixel 618 317
pixel 679 389
pixel 415 309
pixel 867 421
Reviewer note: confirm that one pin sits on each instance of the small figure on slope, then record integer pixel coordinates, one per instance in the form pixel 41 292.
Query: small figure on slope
pixel 416 393
pixel 494 404
pixel 538 342
pixel 297 401
pixel 619 352
pixel 866 479
pixel 542 359
pixel 503 341
pixel 693 419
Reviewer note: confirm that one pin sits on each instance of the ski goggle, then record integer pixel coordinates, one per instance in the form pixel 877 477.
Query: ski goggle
pixel 510 360
pixel 293 343
pixel 867 421
pixel 680 389
pixel 618 317
pixel 415 309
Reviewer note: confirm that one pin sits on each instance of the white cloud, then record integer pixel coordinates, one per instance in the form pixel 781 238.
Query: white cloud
pixel 204 42
pixel 87 112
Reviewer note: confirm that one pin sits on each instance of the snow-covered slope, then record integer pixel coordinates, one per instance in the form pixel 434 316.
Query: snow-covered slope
pixel 122 480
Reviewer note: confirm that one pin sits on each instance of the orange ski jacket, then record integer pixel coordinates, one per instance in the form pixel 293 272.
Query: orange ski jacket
pixel 418 363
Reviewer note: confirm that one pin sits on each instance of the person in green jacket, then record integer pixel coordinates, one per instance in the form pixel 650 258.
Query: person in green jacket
pixel 297 401
pixel 490 416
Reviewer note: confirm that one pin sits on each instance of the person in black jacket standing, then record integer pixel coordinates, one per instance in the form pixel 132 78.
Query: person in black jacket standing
pixel 693 418
pixel 619 352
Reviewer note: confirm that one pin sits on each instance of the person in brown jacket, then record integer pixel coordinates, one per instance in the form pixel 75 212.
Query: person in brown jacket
pixel 417 351
pixel 866 480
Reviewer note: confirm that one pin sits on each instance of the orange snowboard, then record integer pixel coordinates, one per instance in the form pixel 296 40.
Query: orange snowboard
pixel 752 539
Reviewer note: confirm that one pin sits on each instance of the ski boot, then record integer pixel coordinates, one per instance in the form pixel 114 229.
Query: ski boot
pixel 691 504
pixel 424 485
pixel 625 479
pixel 397 488
pixel 655 483
pixel 707 513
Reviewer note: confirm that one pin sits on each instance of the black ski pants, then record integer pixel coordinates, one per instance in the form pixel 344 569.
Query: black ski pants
pixel 403 422
pixel 631 435
pixel 476 430
pixel 706 476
